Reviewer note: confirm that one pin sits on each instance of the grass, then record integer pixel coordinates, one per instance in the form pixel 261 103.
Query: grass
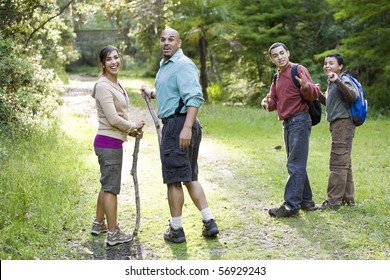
pixel 46 209
pixel 44 181
pixel 351 233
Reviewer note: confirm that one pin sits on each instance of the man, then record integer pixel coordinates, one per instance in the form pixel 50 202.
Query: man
pixel 179 96
pixel 286 98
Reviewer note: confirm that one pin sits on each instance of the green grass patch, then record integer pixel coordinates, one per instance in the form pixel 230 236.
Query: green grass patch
pixel 251 135
pixel 44 180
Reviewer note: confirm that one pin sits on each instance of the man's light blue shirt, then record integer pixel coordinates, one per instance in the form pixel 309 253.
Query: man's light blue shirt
pixel 177 78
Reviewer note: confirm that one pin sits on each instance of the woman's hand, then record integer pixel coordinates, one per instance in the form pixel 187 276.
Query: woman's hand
pixel 138 133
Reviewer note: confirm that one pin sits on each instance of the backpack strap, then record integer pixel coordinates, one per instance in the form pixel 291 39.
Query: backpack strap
pixel 181 105
pixel 345 102
pixel 294 74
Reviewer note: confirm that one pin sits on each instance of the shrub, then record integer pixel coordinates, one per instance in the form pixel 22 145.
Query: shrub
pixel 28 92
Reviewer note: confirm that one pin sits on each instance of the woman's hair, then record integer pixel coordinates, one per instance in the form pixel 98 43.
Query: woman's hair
pixel 103 56
pixel 276 45
pixel 339 58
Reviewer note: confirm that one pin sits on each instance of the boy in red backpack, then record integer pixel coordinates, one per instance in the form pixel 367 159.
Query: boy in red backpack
pixel 286 98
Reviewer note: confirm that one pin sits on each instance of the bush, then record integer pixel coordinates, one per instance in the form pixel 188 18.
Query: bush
pixel 215 92
pixel 28 93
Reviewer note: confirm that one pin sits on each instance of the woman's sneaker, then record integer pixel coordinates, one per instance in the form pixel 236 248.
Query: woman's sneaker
pixel 118 237
pixel 174 235
pixel 98 228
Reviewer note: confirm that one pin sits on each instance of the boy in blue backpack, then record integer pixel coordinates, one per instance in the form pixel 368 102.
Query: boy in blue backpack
pixel 337 99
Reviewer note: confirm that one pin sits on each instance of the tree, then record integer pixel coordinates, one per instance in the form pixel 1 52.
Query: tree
pixel 205 24
pixel 364 45
pixel 302 25
pixel 34 38
pixel 141 21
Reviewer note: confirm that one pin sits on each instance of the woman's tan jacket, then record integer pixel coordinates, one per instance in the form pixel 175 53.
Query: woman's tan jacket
pixel 112 104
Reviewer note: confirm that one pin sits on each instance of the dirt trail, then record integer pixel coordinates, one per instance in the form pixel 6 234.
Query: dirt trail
pixel 77 97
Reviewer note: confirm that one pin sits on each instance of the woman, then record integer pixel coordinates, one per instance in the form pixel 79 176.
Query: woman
pixel 338 97
pixel 114 126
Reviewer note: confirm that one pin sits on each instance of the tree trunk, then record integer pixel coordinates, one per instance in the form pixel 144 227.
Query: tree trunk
pixel 203 71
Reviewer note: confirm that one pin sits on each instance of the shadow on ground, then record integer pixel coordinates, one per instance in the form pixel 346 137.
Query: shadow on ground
pixel 127 251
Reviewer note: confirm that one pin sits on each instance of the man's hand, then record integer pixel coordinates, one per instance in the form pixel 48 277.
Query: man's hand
pixel 332 77
pixel 185 137
pixel 146 92
pixel 302 82
pixel 265 103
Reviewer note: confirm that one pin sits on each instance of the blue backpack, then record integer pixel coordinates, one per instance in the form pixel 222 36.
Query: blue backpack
pixel 360 105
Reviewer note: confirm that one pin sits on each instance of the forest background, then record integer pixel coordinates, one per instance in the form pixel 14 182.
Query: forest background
pixel 42 41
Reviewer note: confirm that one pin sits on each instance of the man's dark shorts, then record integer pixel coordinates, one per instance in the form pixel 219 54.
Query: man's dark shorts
pixel 179 165
pixel 110 161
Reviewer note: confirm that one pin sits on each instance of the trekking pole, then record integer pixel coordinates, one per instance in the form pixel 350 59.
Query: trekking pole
pixel 136 188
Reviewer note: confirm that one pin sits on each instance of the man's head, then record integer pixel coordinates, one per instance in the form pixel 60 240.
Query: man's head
pixel 169 42
pixel 279 55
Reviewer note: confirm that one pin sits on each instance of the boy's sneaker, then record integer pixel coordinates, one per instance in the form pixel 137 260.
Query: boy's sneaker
pixel 326 205
pixel 174 235
pixel 348 202
pixel 308 206
pixel 118 237
pixel 98 228
pixel 283 211
pixel 210 228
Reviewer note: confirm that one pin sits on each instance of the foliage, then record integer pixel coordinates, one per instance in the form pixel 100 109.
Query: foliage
pixel 206 25
pixel 304 29
pixel 142 21
pixel 36 42
pixel 215 92
pixel 366 25
pixel 39 30
pixel 28 92
pixel 229 39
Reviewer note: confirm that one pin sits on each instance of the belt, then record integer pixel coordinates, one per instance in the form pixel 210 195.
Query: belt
pixel 165 120
pixel 294 116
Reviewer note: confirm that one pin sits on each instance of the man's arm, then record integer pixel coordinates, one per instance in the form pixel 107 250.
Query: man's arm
pixel 186 132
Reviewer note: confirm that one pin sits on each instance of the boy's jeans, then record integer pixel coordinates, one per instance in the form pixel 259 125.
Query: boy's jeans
pixel 296 139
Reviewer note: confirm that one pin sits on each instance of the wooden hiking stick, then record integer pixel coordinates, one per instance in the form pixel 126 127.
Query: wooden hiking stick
pixel 154 117
pixel 133 171
pixel 136 188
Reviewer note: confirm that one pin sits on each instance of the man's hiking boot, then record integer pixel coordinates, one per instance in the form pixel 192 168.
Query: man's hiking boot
pixel 308 206
pixel 98 228
pixel 283 211
pixel 326 205
pixel 174 235
pixel 210 228
pixel 118 237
